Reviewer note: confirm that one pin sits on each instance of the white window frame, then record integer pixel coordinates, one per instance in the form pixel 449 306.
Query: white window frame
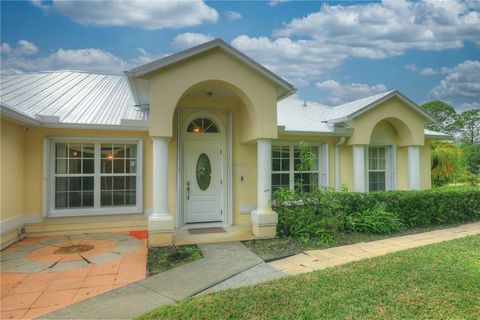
pixel 49 179
pixel 390 166
pixel 322 165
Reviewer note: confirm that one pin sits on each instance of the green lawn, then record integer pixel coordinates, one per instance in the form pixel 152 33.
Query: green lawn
pixel 440 281
pixel 272 249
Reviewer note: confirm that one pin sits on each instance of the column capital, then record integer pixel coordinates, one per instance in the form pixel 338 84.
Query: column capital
pixel 161 138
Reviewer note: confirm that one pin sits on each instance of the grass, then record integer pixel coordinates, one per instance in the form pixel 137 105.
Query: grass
pixel 272 249
pixel 440 281
pixel 161 259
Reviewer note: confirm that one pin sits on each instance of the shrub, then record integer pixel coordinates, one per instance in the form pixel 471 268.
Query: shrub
pixel 374 220
pixel 324 212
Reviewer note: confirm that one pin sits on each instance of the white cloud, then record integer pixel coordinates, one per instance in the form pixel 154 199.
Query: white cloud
pixel 273 3
pixel 23 48
pixel 88 59
pixel 233 15
pixel 423 71
pixel 468 106
pixel 189 39
pixel 312 45
pixel 334 93
pixel 145 14
pixel 461 82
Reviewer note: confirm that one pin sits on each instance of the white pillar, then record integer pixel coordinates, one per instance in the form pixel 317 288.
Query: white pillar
pixel 264 219
pixel 160 219
pixel 359 168
pixel 413 167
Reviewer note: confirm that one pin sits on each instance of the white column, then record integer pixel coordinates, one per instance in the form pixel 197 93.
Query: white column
pixel 413 167
pixel 264 219
pixel 160 219
pixel 359 168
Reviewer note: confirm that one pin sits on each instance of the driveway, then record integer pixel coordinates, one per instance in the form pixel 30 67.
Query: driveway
pixel 40 275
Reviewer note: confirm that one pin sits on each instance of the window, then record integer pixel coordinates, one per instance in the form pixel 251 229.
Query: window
pixel 285 171
pixel 94 177
pixel 380 168
pixel 202 125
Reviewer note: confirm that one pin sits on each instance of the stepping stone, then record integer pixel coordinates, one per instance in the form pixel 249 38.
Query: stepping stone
pixel 9 264
pixel 11 255
pixel 32 267
pixel 125 249
pixel 70 265
pixel 104 258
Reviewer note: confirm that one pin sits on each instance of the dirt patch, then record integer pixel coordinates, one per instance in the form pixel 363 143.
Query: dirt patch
pixel 74 248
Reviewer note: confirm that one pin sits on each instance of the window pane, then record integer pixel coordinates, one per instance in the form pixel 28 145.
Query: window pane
pixel 61 200
pixel 276 179
pixel 61 150
pixel 118 183
pixel 106 151
pixel 88 199
pixel 75 166
pixel 131 183
pixel 75 184
pixel 61 166
pixel 106 183
pixel 285 164
pixel 106 198
pixel 87 184
pixel 131 151
pixel 88 150
pixel 61 184
pixel 119 151
pixel 131 166
pixel 75 150
pixel 88 165
pixel 275 152
pixel 74 199
pixel 376 181
pixel 130 198
pixel 276 165
pixel 119 166
pixel 106 166
pixel 118 198
pixel 285 180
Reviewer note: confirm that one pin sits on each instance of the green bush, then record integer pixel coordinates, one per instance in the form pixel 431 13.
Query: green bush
pixel 374 220
pixel 324 212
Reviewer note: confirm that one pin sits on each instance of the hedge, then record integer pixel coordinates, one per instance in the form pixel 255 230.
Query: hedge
pixel 304 214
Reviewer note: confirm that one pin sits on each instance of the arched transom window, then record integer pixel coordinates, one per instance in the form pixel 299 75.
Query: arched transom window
pixel 202 125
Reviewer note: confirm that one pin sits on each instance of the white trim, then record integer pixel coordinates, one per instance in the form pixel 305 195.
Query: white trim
pixel 11 224
pixel 337 162
pixel 49 210
pixel 359 181
pixel 413 154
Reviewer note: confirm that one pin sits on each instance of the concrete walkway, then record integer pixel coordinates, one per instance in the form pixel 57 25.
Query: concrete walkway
pixel 321 259
pixel 222 261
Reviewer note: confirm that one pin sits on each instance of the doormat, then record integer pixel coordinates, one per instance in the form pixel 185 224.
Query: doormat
pixel 206 230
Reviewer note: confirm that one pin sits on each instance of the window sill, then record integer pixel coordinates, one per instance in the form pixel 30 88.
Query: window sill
pixel 94 212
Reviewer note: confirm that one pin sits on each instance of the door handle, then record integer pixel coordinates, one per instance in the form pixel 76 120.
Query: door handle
pixel 188 190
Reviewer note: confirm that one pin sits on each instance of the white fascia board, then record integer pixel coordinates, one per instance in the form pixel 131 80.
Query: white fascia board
pixel 10 112
pixel 95 126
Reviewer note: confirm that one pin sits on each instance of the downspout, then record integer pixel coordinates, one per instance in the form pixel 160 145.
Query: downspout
pixel 337 162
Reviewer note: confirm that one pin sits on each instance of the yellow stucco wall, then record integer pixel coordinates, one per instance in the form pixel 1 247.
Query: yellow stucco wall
pixel 257 93
pixel 12 169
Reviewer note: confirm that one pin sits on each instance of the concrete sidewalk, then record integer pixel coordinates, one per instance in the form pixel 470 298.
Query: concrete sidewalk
pixel 321 259
pixel 221 261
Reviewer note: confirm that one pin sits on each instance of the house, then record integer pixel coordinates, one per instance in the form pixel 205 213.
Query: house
pixel 197 139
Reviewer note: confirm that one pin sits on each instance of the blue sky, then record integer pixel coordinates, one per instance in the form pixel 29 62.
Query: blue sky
pixel 333 52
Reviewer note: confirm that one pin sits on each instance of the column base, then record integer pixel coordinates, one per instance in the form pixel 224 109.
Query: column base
pixel 160 230
pixel 264 223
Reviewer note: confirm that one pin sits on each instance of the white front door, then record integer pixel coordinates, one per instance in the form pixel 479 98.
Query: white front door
pixel 203 181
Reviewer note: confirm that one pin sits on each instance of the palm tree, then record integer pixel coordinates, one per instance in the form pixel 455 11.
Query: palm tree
pixel 446 162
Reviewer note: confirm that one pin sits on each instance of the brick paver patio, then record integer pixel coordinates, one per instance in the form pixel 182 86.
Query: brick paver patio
pixel 321 259
pixel 38 276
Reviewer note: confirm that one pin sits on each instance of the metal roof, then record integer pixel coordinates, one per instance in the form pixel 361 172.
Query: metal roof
pixel 70 97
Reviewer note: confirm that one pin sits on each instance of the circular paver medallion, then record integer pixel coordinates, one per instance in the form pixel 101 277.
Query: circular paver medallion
pixel 68 252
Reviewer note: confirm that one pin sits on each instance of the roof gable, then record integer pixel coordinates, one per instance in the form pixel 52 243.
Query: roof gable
pixel 161 63
pixel 353 109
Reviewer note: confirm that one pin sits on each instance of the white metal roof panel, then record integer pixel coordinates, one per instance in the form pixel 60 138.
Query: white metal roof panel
pixel 73 96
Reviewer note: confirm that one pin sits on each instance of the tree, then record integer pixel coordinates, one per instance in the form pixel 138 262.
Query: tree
pixel 447 163
pixel 467 124
pixel 471 154
pixel 443 114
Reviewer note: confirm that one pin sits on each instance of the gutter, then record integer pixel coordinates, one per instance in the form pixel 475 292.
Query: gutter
pixel 9 112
